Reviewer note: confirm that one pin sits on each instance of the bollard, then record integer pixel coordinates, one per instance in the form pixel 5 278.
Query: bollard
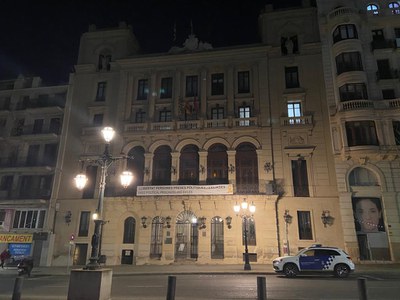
pixel 261 288
pixel 171 288
pixel 362 289
pixel 17 288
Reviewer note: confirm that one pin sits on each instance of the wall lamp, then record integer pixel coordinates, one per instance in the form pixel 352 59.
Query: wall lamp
pixel 68 217
pixel 173 170
pixel 229 222
pixel 231 168
pixel 144 220
pixel 268 166
pixel 202 222
pixel 326 218
pixel 202 169
pixel 168 221
pixel 287 217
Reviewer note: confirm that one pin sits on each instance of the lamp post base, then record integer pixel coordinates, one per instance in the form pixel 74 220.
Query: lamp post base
pixel 247 266
pixel 93 264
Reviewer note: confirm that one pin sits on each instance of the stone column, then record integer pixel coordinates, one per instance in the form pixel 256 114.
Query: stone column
pixel 202 167
pixel 175 167
pixel 148 168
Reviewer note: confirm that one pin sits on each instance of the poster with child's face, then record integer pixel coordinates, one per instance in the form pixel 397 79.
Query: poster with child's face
pixel 368 215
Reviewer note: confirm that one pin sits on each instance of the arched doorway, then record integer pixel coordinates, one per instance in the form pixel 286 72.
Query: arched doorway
pixel 187 236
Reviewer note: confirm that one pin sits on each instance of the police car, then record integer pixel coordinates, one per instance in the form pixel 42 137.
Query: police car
pixel 315 259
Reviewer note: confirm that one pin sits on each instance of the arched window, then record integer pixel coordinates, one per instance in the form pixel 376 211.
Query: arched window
pixel 395 7
pixel 189 165
pixel 217 238
pixel 156 237
pixel 104 61
pixel 362 177
pixel 129 230
pixel 136 165
pixel 217 164
pixel 373 8
pixel 246 169
pixel 162 166
pixel 344 32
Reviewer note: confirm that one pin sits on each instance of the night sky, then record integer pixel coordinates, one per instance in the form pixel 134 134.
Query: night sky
pixel 41 38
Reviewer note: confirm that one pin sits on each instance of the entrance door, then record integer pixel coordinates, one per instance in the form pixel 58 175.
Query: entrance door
pixel 187 236
pixel 80 254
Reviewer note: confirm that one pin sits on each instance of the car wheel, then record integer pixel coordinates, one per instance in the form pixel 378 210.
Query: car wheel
pixel 290 270
pixel 342 271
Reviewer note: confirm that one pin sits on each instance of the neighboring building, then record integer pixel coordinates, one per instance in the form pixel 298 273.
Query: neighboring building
pixel 361 53
pixel 207 128
pixel 31 117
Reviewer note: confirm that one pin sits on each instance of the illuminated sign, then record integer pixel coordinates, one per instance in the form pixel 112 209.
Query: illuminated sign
pixel 15 238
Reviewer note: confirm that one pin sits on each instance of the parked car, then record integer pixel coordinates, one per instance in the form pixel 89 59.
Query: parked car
pixel 316 258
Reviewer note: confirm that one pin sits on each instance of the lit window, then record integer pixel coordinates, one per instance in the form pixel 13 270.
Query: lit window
pixel 395 7
pixel 294 112
pixel 373 8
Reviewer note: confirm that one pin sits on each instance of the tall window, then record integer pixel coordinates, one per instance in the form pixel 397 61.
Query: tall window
pixel 243 82
pixel 384 71
pixel 162 166
pixel 395 7
pixel 165 116
pixel 33 155
pixel 373 8
pixel 249 225
pixel 37 126
pixel 292 77
pixel 143 89
pixel 140 116
pixel 217 84
pixel 166 88
pixel 344 32
pixel 294 112
pixel 29 218
pixel 300 178
pixel 217 113
pixel 361 133
pixel 348 61
pixel 55 125
pixel 156 237
pixel 353 91
pixel 129 230
pixel 304 223
pixel 101 91
pixel 189 165
pixel 104 62
pixel 244 113
pixel 217 164
pixel 6 183
pixel 50 154
pixel 98 120
pixel 217 238
pixel 396 131
pixel 84 223
pixel 388 94
pixel 191 86
pixel 246 169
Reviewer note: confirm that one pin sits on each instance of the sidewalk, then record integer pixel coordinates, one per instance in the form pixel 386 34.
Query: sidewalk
pixel 258 269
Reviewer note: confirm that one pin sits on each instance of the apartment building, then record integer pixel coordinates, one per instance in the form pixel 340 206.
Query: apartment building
pixel 31 118
pixel 361 54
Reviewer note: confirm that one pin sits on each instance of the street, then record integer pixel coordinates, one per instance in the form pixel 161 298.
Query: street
pixel 204 286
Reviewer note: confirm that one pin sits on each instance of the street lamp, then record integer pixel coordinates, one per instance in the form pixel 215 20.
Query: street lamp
pixel 104 161
pixel 245 211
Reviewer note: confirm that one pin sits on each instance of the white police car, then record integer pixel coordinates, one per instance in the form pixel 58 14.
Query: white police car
pixel 315 259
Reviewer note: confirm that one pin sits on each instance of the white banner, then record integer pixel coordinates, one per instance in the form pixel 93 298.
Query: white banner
pixel 156 190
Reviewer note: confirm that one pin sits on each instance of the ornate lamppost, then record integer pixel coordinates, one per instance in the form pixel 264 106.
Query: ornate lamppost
pixel 104 161
pixel 245 211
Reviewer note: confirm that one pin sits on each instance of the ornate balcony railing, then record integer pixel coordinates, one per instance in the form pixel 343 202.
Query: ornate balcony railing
pixel 296 121
pixel 369 104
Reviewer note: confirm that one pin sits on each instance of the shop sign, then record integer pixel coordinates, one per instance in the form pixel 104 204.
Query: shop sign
pixel 15 238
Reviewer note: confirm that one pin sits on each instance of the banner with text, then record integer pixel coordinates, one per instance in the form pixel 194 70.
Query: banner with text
pixel 170 190
pixel 15 238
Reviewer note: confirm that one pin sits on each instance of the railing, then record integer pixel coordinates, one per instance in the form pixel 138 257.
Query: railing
pixel 163 126
pixel 39 103
pixel 240 122
pixel 383 44
pixel 388 74
pixel 247 188
pixel 7 162
pixel 189 124
pixel 135 127
pixel 296 121
pixel 341 11
pixel 29 130
pixel 369 104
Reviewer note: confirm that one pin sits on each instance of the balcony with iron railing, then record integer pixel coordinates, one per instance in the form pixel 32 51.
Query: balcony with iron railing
pixel 296 121
pixel 387 74
pixel 181 125
pixel 383 44
pixel 363 104
pixel 40 103
pixel 23 194
pixel 11 162
pixel 31 130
